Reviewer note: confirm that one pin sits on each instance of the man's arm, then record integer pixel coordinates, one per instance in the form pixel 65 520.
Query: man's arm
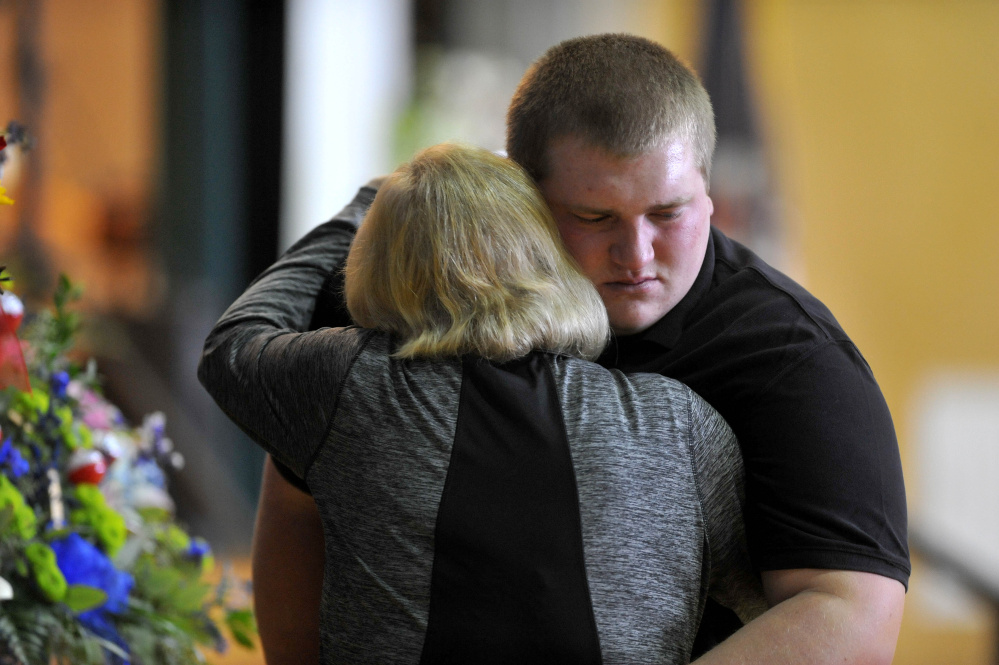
pixel 818 617
pixel 800 615
pixel 288 559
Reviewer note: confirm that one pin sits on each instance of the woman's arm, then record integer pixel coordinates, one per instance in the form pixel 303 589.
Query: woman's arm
pixel 278 384
pixel 720 478
pixel 258 370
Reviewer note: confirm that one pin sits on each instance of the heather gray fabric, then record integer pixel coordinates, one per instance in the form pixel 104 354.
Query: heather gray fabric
pixel 652 459
pixel 378 482
pixel 280 301
pixel 658 472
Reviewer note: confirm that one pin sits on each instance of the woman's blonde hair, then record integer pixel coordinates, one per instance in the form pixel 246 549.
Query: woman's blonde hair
pixel 460 255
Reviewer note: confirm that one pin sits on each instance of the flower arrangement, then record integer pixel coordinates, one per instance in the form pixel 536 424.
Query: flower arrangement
pixel 94 568
pixel 13 135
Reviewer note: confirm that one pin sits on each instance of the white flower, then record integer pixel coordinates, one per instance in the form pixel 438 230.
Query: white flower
pixel 150 496
pixel 11 304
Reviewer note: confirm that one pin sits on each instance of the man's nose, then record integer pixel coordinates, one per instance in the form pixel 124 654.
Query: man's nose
pixel 632 248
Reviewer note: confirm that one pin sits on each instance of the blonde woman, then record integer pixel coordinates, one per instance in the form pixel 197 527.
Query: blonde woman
pixel 487 495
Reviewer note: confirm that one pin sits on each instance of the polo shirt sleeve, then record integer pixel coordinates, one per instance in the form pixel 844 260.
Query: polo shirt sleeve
pixel 719 475
pixel 824 477
pixel 278 384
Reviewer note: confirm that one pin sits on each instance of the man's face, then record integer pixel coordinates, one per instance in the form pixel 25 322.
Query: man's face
pixel 638 227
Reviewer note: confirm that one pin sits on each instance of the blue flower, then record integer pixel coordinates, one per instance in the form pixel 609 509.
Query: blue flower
pixel 18 465
pixel 197 549
pixel 147 470
pixel 5 450
pixel 82 563
pixel 59 381
pixel 97 622
pixel 11 456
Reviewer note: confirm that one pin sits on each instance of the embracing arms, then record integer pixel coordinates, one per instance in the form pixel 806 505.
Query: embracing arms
pixel 815 616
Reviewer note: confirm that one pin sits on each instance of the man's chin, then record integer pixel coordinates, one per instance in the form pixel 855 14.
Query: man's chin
pixel 630 316
pixel 631 323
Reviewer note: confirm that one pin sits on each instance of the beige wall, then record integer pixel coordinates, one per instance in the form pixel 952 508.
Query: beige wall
pixel 884 117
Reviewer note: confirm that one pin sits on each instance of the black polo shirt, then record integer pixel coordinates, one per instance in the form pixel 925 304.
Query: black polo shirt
pixel 823 476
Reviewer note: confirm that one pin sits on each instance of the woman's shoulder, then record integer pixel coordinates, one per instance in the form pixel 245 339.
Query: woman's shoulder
pixel 640 388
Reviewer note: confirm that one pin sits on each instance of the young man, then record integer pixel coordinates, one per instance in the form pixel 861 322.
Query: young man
pixel 619 137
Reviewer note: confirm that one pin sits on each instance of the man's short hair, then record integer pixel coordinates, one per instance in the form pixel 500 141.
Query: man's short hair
pixel 622 93
pixel 460 255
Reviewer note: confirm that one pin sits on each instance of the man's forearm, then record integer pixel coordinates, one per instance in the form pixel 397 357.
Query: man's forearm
pixel 288 561
pixel 819 617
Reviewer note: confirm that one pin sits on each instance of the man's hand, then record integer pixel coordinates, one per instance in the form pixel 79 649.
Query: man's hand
pixel 818 617
pixel 288 560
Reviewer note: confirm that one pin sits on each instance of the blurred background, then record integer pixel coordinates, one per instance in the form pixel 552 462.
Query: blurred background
pixel 181 145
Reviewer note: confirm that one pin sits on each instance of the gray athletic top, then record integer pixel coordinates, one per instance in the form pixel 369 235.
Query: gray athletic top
pixel 651 486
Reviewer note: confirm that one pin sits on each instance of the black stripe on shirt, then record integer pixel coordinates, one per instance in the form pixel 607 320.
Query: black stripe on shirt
pixel 509 579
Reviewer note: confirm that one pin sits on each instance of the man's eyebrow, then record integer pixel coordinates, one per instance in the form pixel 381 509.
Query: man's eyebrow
pixel 673 203
pixel 666 205
pixel 587 210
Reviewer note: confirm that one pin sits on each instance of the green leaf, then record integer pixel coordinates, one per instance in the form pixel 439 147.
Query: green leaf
pixel 155 515
pixel 242 638
pixel 190 596
pixel 242 626
pixel 112 647
pixel 160 583
pixel 6 517
pixel 10 639
pixel 81 597
pixel 242 619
